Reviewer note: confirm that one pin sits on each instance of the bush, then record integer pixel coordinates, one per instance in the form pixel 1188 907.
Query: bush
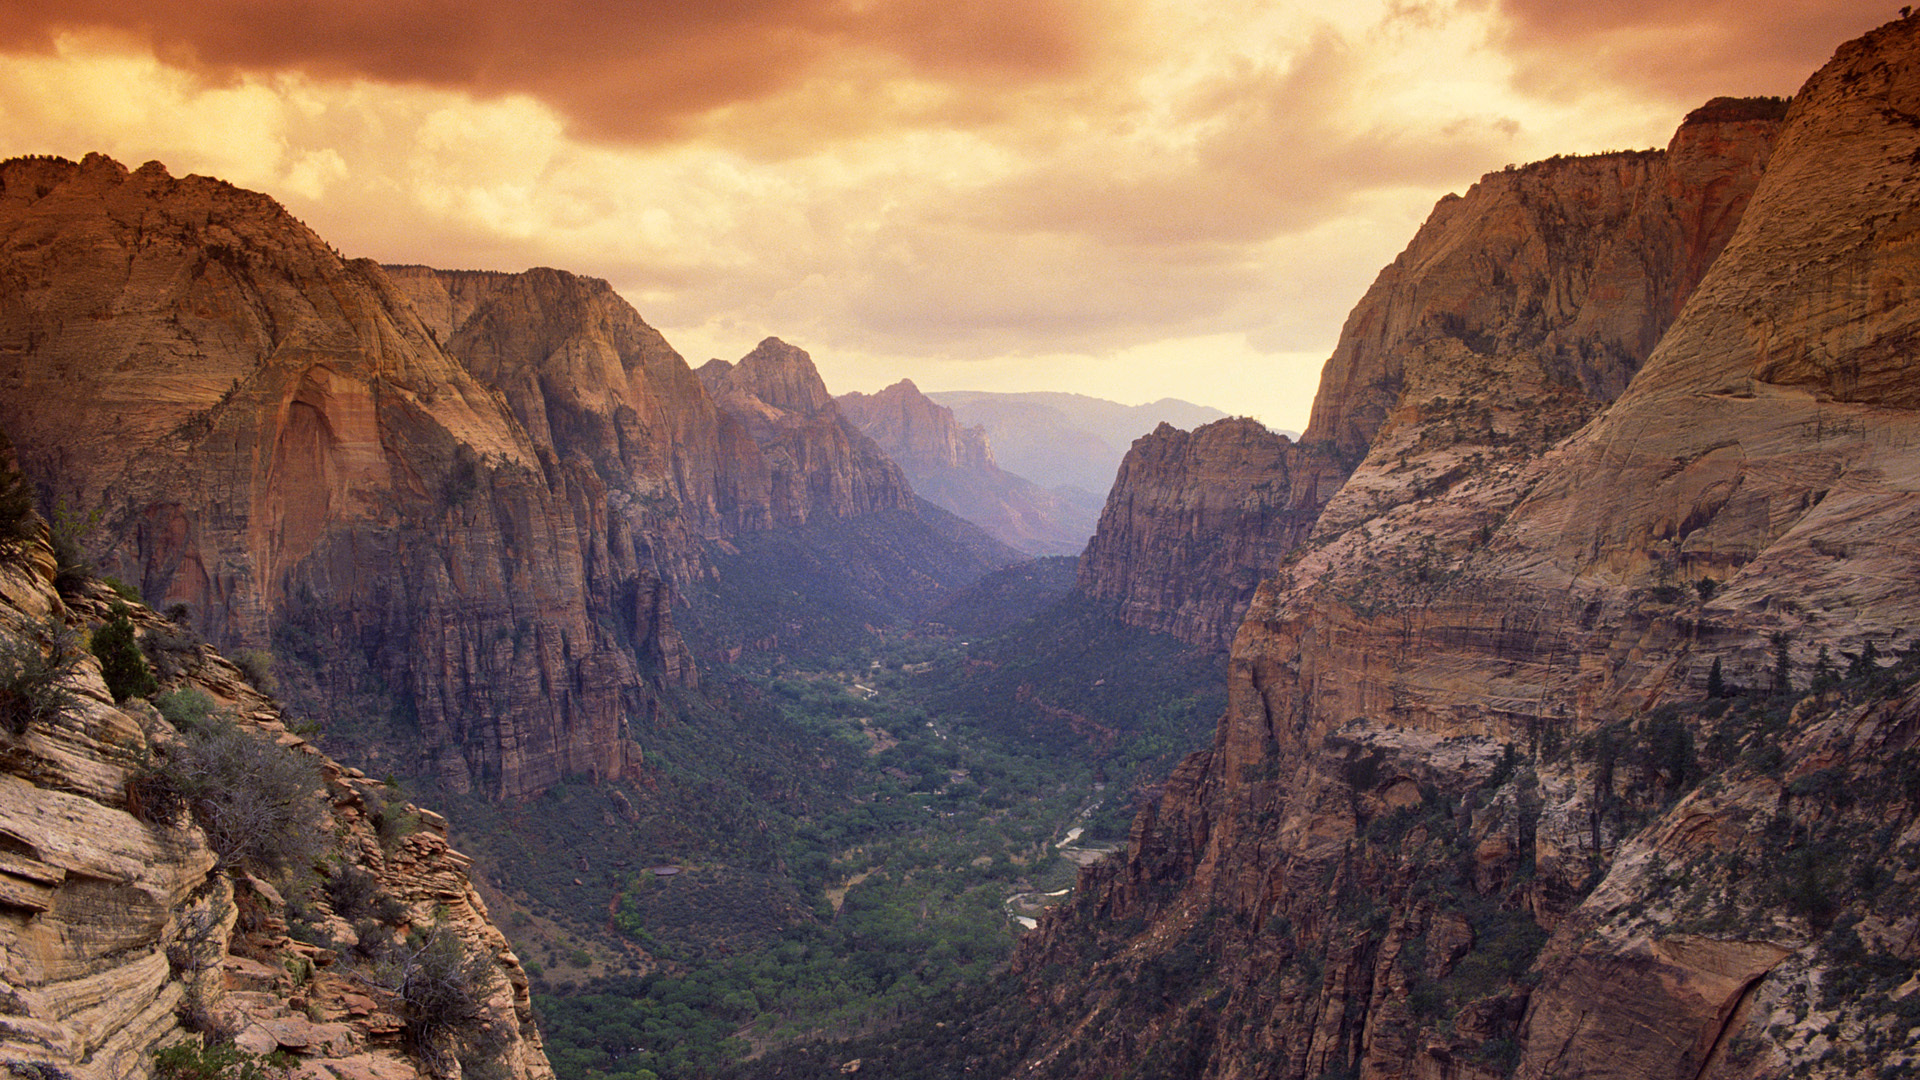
pixel 255 799
pixel 186 708
pixel 442 988
pixel 187 1061
pixel 257 666
pixel 17 525
pixel 33 676
pixel 355 895
pixel 121 663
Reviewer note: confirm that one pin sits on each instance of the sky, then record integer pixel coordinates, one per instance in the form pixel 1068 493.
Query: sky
pixel 1132 199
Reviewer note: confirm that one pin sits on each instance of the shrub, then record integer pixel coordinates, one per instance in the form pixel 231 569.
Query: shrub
pixel 186 708
pixel 17 525
pixel 255 799
pixel 33 677
pixel 257 666
pixel 187 1061
pixel 356 896
pixel 442 988
pixel 121 663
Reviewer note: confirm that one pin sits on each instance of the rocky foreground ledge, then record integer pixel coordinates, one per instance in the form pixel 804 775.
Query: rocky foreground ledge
pixel 128 928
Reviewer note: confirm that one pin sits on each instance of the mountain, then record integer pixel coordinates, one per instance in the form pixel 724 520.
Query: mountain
pixel 1514 314
pixel 1060 440
pixel 1196 519
pixel 158 883
pixel 1564 746
pixel 954 467
pixel 466 511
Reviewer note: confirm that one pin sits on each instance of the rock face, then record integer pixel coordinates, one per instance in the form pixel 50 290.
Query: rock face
pixel 790 450
pixel 1517 312
pixel 953 467
pixel 124 930
pixel 1470 811
pixel 1196 519
pixel 464 505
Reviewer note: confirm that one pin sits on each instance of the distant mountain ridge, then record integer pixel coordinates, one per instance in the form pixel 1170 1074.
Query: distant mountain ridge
pixel 1062 440
pixel 954 467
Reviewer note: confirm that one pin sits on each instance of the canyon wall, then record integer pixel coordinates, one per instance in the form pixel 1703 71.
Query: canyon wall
pixel 462 508
pixel 1520 772
pixel 1513 316
pixel 128 928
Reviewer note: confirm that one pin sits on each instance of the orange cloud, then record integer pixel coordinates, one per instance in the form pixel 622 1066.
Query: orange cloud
pixel 630 71
pixel 1686 50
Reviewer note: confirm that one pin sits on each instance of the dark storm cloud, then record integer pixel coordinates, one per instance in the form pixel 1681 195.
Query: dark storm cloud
pixel 619 70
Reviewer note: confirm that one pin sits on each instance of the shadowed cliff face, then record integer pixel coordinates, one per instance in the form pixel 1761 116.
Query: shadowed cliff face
pixel 1194 521
pixel 953 467
pixel 271 436
pixel 1453 822
pixel 467 503
pixel 794 457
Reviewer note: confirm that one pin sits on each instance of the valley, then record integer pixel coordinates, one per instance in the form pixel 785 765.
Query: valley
pixel 419 672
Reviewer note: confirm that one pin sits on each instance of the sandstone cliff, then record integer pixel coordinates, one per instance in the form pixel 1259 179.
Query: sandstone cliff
pixel 1516 312
pixel 466 510
pixel 796 455
pixel 1196 519
pixel 953 467
pixel 128 926
pixel 1470 812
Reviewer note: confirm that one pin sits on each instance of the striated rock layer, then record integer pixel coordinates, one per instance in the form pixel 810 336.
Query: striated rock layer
pixel 1516 312
pixel 1196 519
pixel 464 505
pixel 953 467
pixel 1471 811
pixel 124 932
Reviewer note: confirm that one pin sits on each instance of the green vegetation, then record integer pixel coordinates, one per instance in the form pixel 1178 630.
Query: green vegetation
pixel 34 668
pixel 842 833
pixel 256 800
pixel 188 1060
pixel 122 664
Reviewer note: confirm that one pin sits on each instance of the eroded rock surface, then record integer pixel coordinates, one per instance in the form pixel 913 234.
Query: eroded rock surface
pixel 1454 822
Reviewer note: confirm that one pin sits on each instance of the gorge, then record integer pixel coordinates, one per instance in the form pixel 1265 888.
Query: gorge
pixel 1554 692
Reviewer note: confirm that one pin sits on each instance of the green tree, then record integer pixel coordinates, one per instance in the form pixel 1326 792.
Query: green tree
pixel 121 664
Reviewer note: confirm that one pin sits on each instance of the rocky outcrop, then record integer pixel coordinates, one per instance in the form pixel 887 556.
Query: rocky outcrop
pixel 953 467
pixel 1196 520
pixel 1471 811
pixel 127 930
pixel 461 507
pixel 1515 314
pixel 790 450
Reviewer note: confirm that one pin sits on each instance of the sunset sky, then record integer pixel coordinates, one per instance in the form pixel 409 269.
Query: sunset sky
pixel 1126 198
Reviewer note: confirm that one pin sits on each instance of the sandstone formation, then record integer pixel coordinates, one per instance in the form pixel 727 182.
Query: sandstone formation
pixel 125 932
pixel 800 459
pixel 1470 812
pixel 1516 312
pixel 466 509
pixel 953 467
pixel 1196 519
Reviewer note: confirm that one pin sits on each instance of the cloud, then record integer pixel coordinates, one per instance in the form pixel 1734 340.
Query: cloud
pixel 628 71
pixel 1684 50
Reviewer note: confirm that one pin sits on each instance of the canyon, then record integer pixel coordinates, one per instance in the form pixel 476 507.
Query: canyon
pixel 1572 711
pixel 466 505
pixel 1520 773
